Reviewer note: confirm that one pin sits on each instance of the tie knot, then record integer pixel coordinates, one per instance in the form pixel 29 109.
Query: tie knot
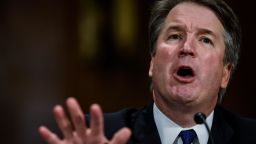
pixel 187 136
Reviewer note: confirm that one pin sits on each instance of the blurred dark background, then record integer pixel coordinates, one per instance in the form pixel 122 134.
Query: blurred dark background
pixel 94 50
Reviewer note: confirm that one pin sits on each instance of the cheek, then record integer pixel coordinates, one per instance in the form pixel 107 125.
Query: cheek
pixel 163 61
pixel 165 54
pixel 212 66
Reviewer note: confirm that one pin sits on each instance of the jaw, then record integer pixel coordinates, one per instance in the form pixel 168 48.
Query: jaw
pixel 181 113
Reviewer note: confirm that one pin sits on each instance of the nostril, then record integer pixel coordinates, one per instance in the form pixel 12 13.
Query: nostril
pixel 186 53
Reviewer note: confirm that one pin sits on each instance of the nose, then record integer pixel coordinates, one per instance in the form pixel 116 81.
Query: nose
pixel 188 48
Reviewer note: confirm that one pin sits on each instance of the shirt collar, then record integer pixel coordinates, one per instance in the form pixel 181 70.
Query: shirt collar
pixel 169 130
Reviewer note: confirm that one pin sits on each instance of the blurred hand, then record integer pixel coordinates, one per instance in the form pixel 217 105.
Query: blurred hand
pixel 79 133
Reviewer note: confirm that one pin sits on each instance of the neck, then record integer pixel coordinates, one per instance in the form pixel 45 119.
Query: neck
pixel 182 118
pixel 183 114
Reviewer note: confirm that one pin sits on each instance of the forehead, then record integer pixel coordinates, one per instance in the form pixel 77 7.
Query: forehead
pixel 194 16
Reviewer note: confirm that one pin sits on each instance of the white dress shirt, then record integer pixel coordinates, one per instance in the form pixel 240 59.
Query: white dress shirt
pixel 169 130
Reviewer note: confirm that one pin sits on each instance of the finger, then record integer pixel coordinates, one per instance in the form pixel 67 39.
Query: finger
pixel 77 117
pixel 63 122
pixel 121 137
pixel 96 120
pixel 48 136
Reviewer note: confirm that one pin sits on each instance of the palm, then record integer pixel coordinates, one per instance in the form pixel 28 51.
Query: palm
pixel 80 134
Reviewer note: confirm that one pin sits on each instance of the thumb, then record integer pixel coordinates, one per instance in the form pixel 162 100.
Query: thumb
pixel 121 137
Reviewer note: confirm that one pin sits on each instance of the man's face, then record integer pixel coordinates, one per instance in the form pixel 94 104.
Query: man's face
pixel 188 65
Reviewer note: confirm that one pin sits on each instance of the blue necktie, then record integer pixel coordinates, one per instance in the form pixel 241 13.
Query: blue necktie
pixel 187 136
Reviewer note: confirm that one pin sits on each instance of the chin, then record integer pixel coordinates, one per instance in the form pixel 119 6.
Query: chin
pixel 185 97
pixel 189 92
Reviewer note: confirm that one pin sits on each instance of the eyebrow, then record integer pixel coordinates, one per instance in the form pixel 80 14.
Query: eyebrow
pixel 175 27
pixel 180 27
pixel 206 31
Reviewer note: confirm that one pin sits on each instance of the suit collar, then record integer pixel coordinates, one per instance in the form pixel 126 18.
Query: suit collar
pixel 145 132
pixel 221 129
pixel 144 127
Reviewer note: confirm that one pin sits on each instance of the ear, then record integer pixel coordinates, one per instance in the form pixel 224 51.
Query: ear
pixel 226 75
pixel 151 67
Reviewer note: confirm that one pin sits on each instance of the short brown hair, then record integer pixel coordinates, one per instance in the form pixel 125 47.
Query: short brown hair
pixel 230 22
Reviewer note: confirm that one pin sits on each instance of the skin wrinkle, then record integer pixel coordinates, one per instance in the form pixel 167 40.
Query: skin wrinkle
pixel 193 23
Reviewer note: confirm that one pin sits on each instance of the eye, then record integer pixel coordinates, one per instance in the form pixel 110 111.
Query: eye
pixel 175 37
pixel 206 40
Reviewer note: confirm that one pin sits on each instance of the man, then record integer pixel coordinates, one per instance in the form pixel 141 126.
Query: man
pixel 194 47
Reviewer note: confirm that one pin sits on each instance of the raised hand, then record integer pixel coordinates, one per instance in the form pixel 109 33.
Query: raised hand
pixel 79 133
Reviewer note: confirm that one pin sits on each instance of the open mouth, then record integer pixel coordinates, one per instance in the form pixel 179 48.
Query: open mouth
pixel 184 74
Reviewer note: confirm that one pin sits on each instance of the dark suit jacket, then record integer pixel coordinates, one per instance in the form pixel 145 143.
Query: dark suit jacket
pixel 227 128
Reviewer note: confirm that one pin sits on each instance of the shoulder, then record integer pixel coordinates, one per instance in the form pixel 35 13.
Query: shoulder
pixel 235 120
pixel 242 128
pixel 117 120
pixel 120 118
pixel 140 121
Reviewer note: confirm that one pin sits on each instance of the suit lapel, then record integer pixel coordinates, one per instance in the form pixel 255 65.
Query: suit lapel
pixel 221 130
pixel 145 132
pixel 144 128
